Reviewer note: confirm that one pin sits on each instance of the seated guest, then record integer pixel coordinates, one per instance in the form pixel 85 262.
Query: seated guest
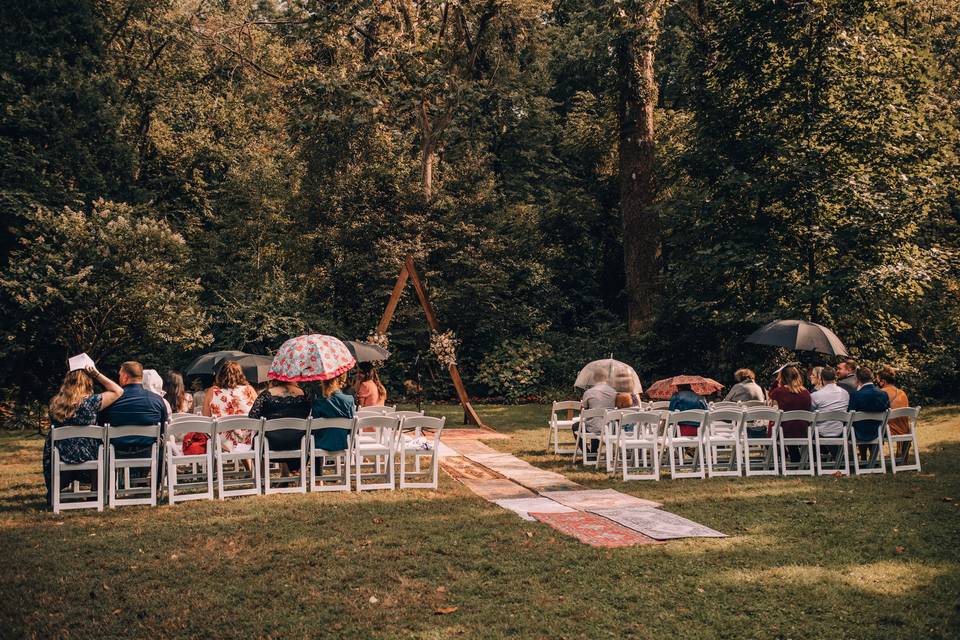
pixel 829 397
pixel 153 383
pixel 282 400
pixel 76 405
pixel 684 400
pixel 332 403
pixel 176 394
pixel 868 397
pixel 791 395
pixel 137 406
pixel 816 381
pixel 846 375
pixel 367 388
pixel 626 388
pixel 199 394
pixel 599 396
pixel 231 395
pixel 887 379
pixel 746 387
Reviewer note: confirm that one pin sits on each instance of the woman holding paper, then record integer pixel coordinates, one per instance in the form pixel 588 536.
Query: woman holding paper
pixel 77 405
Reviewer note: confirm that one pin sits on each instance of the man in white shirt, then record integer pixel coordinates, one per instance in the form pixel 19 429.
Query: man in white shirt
pixel 830 397
pixel 600 396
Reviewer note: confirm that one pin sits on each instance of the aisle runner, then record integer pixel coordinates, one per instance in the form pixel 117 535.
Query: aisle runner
pixel 598 517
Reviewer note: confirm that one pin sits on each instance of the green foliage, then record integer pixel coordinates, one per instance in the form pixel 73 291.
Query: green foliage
pixel 514 368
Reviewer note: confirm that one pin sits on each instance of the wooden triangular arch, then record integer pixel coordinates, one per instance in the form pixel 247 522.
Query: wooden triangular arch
pixel 409 271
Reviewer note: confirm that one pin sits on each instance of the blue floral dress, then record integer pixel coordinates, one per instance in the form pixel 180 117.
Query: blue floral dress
pixel 74 450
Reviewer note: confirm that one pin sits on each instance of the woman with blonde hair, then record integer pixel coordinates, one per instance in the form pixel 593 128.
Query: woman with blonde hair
pixel 231 395
pixel 815 380
pixel 76 405
pixel 332 402
pixel 368 389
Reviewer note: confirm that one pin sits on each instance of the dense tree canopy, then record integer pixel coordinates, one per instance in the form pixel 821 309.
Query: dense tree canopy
pixel 188 174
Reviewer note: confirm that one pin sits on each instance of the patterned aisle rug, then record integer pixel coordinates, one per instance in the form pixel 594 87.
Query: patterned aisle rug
pixel 593 530
pixel 523 507
pixel 472 432
pixel 461 468
pixel 658 524
pixel 523 472
pixel 465 446
pixel 597 499
pixel 499 489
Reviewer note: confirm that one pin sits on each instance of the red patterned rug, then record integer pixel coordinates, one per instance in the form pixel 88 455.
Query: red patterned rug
pixel 593 530
pixel 461 468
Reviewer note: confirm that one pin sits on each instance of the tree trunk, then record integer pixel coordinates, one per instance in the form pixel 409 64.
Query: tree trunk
pixel 427 158
pixel 641 224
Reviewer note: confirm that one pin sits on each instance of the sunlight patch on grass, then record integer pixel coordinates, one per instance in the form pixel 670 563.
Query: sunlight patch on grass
pixel 885 577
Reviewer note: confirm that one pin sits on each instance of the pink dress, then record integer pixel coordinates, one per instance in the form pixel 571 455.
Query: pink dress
pixel 233 402
pixel 368 395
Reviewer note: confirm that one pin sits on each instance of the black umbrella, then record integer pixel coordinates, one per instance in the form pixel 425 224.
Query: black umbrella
pixel 208 363
pixel 366 352
pixel 254 367
pixel 799 335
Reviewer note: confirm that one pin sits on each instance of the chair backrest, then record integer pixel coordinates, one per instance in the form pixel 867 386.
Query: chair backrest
pixel 724 421
pixel 403 415
pixel 377 422
pixel 879 416
pixel 639 424
pixel 753 403
pixel 231 423
pixel 724 404
pixel 88 431
pixel 805 416
pixel 658 404
pixel 296 424
pixel 181 416
pixel 425 422
pixel 832 416
pixel 123 431
pixel 911 413
pixel 566 405
pixel 614 415
pixel 674 418
pixel 375 411
pixel 193 424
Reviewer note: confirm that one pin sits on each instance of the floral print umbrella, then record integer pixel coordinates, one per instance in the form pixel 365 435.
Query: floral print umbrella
pixel 309 358
pixel 664 389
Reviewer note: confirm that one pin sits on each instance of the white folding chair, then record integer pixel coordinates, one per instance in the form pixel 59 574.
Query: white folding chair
pixel 288 484
pixel 182 416
pixel 611 429
pixel 723 441
pixel 677 444
pixel 907 440
pixel 330 469
pixel 837 443
pixel 749 404
pixel 237 481
pixel 134 490
pixel 805 465
pixel 417 451
pixel 197 482
pixel 761 456
pixel 874 462
pixel 658 405
pixel 639 433
pixel 584 437
pixel 374 411
pixel 75 498
pixel 558 424
pixel 379 446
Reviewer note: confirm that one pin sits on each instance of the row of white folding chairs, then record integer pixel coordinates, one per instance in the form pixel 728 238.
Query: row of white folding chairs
pixel 723 446
pixel 379 444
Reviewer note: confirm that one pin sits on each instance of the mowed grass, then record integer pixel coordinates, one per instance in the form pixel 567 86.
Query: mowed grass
pixel 862 557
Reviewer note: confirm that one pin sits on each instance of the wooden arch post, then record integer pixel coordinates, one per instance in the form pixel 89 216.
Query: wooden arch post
pixel 409 271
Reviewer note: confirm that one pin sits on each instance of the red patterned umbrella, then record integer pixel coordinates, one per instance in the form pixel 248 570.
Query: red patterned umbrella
pixel 309 358
pixel 664 389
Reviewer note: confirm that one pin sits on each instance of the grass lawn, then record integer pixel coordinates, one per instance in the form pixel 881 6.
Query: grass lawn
pixel 862 557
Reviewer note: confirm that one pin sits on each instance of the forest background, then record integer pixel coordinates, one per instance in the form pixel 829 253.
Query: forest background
pixel 649 178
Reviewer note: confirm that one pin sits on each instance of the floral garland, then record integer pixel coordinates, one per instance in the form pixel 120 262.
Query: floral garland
pixel 443 346
pixel 381 340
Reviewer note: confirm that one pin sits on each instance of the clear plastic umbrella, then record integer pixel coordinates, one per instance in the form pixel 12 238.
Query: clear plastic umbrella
pixel 618 375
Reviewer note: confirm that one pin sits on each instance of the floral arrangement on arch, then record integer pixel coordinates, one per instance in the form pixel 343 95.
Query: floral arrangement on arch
pixel 381 340
pixel 443 346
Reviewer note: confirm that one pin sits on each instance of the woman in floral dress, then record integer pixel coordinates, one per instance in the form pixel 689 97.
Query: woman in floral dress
pixel 76 405
pixel 231 395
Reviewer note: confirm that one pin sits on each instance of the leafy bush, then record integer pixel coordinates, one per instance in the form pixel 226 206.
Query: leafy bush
pixel 514 369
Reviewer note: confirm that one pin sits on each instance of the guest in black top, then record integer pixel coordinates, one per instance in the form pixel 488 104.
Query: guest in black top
pixel 282 400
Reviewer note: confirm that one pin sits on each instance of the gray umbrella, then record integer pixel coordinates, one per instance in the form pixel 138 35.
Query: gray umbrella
pixel 799 335
pixel 254 367
pixel 208 363
pixel 366 352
